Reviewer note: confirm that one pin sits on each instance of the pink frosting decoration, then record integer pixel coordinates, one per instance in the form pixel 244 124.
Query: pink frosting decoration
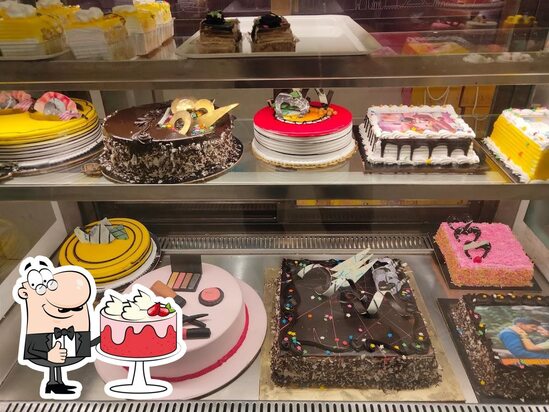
pixel 505 265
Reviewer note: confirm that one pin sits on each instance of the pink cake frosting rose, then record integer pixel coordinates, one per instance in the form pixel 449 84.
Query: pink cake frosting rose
pixel 139 327
pixel 483 254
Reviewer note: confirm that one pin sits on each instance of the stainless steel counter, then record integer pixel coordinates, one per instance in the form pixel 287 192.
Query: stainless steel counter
pixel 252 179
pixel 23 383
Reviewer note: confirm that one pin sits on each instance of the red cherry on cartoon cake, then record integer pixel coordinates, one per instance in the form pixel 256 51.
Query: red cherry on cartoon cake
pixel 164 312
pixel 477 259
pixel 154 310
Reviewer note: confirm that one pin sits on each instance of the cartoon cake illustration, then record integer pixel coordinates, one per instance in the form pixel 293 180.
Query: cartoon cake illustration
pixel 138 327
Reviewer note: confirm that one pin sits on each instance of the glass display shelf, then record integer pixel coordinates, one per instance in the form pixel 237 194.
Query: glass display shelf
pixel 164 69
pixel 251 269
pixel 252 179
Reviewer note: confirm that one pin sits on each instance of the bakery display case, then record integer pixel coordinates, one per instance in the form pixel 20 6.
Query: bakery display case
pixel 319 211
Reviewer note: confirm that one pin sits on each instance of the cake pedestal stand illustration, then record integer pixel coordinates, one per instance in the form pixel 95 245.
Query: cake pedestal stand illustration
pixel 139 384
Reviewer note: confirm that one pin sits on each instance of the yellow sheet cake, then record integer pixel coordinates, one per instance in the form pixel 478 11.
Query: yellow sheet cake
pixel 520 139
pixel 25 33
pixel 110 249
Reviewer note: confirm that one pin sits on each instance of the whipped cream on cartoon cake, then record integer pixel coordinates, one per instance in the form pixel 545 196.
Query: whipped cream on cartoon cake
pixel 416 136
pixel 138 326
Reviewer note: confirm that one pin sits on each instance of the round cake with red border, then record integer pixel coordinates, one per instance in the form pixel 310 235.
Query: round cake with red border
pixel 296 133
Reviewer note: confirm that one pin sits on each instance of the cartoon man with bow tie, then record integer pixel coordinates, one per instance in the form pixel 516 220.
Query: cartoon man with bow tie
pixel 55 323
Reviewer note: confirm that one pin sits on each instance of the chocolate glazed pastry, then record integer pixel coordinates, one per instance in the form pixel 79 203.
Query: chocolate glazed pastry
pixel 272 33
pixel 334 340
pixel 137 150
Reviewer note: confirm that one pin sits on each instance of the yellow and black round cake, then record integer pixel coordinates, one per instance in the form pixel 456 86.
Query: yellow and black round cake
pixel 109 249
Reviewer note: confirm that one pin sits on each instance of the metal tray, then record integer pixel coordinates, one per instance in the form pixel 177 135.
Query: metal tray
pixel 328 35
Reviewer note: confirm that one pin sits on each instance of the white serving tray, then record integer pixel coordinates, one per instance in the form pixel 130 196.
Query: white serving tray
pixel 324 35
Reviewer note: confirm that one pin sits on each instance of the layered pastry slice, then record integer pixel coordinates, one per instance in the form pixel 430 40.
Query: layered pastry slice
pixel 93 35
pixel 272 33
pixel 219 35
pixel 25 33
pixel 162 15
pixel 520 139
pixel 142 28
pixel 56 8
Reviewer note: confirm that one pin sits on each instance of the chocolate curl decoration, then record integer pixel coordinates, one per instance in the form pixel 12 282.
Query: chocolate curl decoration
pixel 215 18
pixel 484 245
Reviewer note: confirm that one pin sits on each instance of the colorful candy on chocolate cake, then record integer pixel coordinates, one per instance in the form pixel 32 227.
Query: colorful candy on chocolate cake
pixel 219 35
pixel 295 132
pixel 52 132
pixel 272 33
pixel 506 341
pixel 483 254
pixel 352 323
pixel 181 141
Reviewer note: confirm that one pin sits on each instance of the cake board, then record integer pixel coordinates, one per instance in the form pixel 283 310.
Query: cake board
pixel 479 168
pixel 445 306
pixel 509 173
pixel 448 390
pixel 224 373
pixel 439 257
pixel 77 161
pixel 7 170
pixel 194 178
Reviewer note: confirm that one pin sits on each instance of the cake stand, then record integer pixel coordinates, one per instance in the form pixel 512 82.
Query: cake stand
pixel 139 384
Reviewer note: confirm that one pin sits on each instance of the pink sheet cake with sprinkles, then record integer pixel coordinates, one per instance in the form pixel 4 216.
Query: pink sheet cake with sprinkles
pixel 483 254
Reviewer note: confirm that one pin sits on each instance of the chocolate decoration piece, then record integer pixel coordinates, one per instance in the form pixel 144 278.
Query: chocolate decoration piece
pixel 211 296
pixel 487 247
pixel 196 333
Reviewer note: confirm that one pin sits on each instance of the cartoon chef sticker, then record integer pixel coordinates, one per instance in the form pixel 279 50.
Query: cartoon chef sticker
pixel 56 304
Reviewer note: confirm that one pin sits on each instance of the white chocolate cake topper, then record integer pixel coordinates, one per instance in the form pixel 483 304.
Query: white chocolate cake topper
pixel 194 117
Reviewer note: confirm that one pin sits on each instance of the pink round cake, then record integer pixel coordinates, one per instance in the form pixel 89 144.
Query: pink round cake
pixel 228 322
pixel 141 328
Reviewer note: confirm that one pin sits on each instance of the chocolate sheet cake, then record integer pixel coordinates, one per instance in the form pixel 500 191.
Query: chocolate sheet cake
pixel 368 334
pixel 493 330
pixel 272 33
pixel 141 146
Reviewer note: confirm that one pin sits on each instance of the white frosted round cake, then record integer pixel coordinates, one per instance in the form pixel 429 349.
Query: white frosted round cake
pixel 296 133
